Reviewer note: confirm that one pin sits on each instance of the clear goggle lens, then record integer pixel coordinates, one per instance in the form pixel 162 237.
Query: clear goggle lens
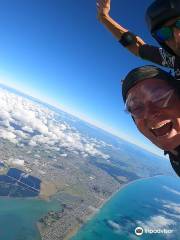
pixel 137 108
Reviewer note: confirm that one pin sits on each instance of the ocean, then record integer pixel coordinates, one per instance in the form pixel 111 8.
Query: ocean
pixel 152 204
pixel 18 217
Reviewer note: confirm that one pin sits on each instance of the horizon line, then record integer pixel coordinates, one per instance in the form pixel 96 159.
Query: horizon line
pixel 46 100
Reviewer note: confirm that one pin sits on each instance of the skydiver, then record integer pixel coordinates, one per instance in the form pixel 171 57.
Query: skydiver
pixel 152 98
pixel 163 20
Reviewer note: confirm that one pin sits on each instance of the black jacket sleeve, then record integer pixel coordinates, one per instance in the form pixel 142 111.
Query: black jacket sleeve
pixel 157 55
pixel 175 163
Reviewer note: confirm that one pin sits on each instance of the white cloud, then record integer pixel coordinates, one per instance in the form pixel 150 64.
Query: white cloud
pixel 25 122
pixel 27 129
pixel 173 206
pixel 157 222
pixel 7 135
pixel 169 209
pixel 171 190
pixel 114 225
pixel 171 215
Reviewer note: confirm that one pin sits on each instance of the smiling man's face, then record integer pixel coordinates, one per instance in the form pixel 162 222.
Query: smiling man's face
pixel 156 110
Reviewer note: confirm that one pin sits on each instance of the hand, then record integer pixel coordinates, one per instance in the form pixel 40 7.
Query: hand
pixel 103 8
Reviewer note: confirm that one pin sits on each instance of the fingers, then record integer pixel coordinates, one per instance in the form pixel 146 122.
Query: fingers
pixel 102 3
pixel 103 7
pixel 99 6
pixel 99 3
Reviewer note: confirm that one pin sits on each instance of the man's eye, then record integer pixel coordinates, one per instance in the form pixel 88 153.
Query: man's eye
pixel 137 109
pixel 160 102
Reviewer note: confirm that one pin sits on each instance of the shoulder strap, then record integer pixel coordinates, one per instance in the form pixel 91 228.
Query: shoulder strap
pixel 175 162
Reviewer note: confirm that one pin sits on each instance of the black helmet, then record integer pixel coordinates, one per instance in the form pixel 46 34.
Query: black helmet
pixel 142 73
pixel 159 12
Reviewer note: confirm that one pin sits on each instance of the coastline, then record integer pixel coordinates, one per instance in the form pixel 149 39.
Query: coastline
pixel 80 216
pixel 72 232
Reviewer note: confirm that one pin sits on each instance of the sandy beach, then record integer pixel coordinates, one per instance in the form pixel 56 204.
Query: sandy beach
pixel 73 231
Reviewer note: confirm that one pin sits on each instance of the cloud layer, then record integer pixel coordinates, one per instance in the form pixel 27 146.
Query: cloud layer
pixel 25 122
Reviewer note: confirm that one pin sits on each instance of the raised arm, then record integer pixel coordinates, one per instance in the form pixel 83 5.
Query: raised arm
pixel 103 9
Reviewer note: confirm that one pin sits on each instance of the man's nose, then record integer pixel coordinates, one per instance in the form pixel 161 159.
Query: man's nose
pixel 150 110
pixel 176 33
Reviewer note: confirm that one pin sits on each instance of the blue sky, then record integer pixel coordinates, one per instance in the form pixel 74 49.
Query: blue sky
pixel 57 50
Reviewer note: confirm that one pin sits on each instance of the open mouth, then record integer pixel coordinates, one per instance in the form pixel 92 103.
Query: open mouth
pixel 163 129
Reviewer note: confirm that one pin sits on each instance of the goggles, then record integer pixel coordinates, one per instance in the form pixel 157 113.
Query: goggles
pixel 156 99
pixel 166 33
